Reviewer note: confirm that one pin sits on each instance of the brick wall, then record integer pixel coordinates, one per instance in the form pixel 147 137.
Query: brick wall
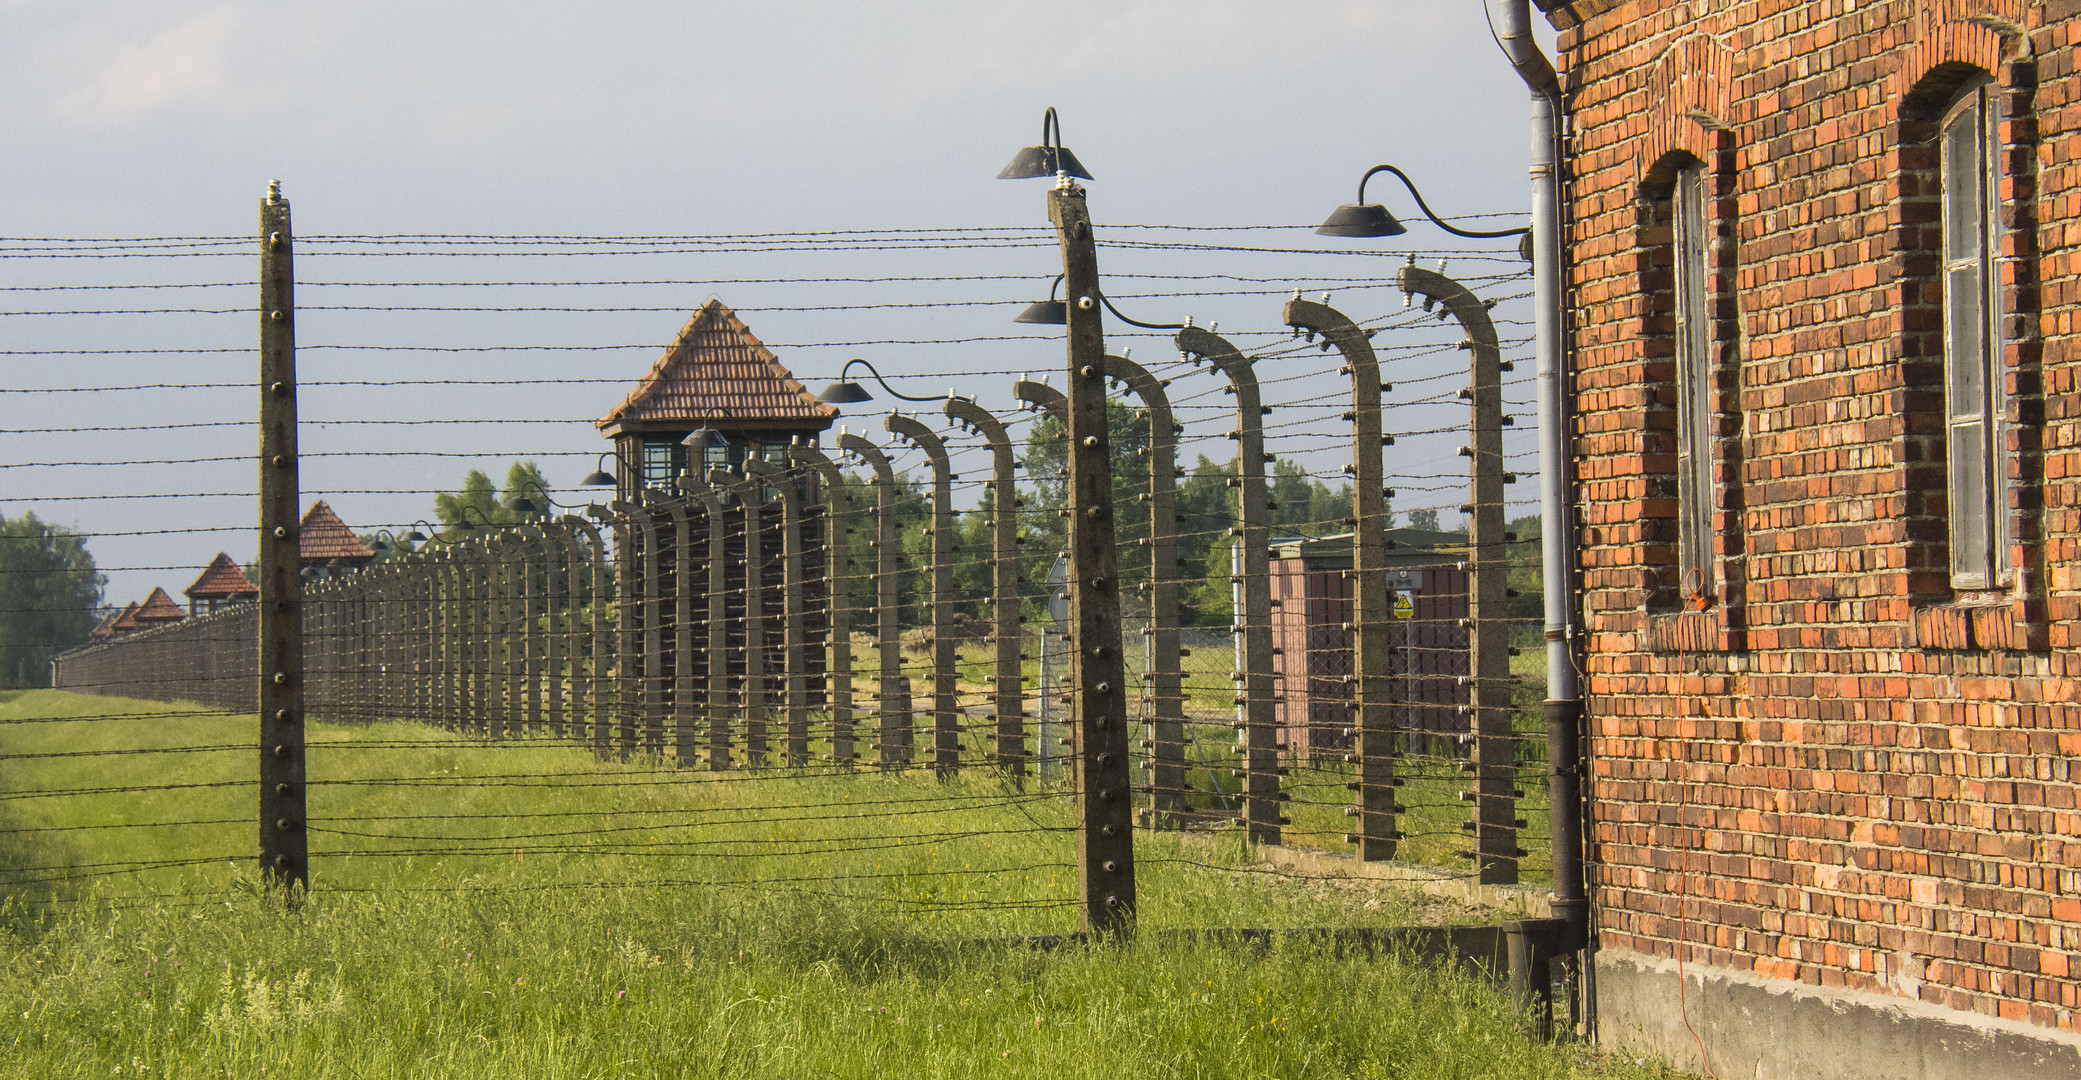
pixel 1838 772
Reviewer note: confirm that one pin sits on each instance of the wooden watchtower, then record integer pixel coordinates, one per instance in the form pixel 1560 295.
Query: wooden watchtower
pixel 222 584
pixel 717 376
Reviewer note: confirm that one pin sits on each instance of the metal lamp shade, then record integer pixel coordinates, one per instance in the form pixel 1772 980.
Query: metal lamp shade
pixel 597 478
pixel 1043 161
pixel 1045 312
pixel 845 392
pixel 1371 219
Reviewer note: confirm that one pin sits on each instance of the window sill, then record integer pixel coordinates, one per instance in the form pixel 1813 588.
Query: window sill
pixel 1979 626
pixel 1708 631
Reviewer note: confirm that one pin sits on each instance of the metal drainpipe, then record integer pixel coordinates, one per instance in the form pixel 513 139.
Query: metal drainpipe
pixel 1564 708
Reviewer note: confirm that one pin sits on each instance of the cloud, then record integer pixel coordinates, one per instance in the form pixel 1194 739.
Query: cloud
pixel 185 63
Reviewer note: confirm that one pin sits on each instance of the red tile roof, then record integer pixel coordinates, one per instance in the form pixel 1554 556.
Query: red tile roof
pixel 322 538
pixel 159 608
pixel 104 629
pixel 718 372
pixel 126 620
pixel 222 580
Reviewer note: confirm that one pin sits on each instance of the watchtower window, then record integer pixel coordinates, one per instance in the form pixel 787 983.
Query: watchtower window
pixel 662 463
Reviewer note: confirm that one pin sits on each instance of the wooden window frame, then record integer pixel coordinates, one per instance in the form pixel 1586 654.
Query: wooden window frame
pixel 1696 376
pixel 1975 400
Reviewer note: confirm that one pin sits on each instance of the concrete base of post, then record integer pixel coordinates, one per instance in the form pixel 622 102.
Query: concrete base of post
pixel 1777 1029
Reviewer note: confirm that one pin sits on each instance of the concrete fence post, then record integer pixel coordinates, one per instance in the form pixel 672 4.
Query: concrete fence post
pixel 1257 717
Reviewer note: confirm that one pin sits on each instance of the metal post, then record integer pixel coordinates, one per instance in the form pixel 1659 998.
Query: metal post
pixel 1166 710
pixel 1257 719
pixel 1495 852
pixel 1563 709
pixel 893 693
pixel 284 844
pixel 1009 695
pixel 1105 805
pixel 838 668
pixel 794 695
pixel 1372 608
pixel 946 713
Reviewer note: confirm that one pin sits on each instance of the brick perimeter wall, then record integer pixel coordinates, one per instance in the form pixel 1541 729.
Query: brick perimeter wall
pixel 1837 774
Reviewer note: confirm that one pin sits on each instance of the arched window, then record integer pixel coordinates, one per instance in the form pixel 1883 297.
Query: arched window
pixel 1975 402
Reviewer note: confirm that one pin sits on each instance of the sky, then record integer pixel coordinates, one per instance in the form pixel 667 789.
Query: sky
pixel 797 124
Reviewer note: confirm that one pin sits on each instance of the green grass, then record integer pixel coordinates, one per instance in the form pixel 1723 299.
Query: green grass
pixel 658 924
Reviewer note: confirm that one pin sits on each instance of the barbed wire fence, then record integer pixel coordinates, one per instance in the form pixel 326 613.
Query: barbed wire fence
pixel 1307 666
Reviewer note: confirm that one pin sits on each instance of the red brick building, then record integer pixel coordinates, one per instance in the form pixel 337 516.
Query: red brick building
pixel 1823 285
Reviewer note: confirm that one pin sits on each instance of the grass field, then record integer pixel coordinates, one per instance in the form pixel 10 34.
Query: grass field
pixel 523 910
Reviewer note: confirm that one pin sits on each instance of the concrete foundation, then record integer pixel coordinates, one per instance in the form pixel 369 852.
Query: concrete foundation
pixel 1769 1029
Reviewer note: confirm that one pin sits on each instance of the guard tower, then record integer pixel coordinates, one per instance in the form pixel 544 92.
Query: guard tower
pixel 158 610
pixel 326 547
pixel 716 377
pixel 221 585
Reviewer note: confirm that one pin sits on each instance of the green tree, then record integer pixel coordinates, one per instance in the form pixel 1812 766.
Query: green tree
pixel 1206 512
pixel 1305 506
pixel 48 592
pixel 1045 460
pixel 913 585
pixel 479 504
